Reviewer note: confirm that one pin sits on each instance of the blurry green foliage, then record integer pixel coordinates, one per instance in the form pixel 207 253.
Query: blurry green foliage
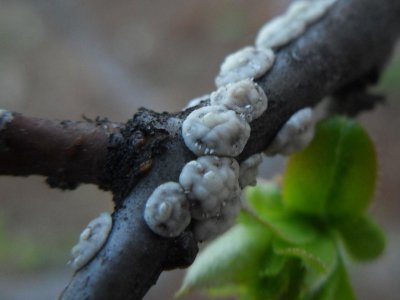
pixel 292 240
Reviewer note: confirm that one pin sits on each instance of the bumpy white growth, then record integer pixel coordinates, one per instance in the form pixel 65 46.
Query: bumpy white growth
pixel 248 62
pixel 215 130
pixel 279 32
pixel 245 97
pixel 289 26
pixel 295 135
pixel 210 228
pixel 210 183
pixel 91 241
pixel 167 210
pixel 249 170
pixel 309 11
pixel 5 118
pixel 298 8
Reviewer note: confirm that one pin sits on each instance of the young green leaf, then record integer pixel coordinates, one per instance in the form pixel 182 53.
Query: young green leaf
pixel 335 176
pixel 337 287
pixel 273 264
pixel 292 229
pixel 266 199
pixel 284 285
pixel 297 272
pixel 226 291
pixel 363 238
pixel 233 258
pixel 320 254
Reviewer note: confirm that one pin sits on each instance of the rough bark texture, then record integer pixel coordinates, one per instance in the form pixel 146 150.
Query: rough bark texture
pixel 339 55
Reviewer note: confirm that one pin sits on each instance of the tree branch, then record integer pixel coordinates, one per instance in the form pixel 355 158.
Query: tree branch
pixel 341 52
pixel 67 152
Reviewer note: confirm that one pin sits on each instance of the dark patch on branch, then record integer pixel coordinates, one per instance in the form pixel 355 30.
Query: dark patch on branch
pixel 131 152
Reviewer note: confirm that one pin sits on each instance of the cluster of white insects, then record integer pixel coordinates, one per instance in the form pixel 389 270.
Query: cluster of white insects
pixel 218 132
pixel 208 194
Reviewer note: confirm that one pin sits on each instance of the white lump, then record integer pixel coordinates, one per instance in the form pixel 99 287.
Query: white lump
pixel 295 135
pixel 215 130
pixel 309 11
pixel 287 27
pixel 210 182
pixel 279 32
pixel 248 62
pixel 167 210
pixel 91 240
pixel 210 228
pixel 245 97
pixel 249 170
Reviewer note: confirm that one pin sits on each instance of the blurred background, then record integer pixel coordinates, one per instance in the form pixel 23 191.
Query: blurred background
pixel 61 59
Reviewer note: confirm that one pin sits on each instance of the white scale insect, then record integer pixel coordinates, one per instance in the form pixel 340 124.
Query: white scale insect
pixel 245 97
pixel 167 210
pixel 212 227
pixel 289 26
pixel 295 135
pixel 210 182
pixel 246 63
pixel 91 240
pixel 249 170
pixel 215 130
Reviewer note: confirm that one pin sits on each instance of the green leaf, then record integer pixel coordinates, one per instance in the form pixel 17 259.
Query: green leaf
pixel 335 176
pixel 233 258
pixel 272 265
pixel 266 199
pixel 297 273
pixel 226 291
pixel 294 230
pixel 285 285
pixel 249 218
pixel 320 254
pixel 363 238
pixel 337 287
pixel 291 229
